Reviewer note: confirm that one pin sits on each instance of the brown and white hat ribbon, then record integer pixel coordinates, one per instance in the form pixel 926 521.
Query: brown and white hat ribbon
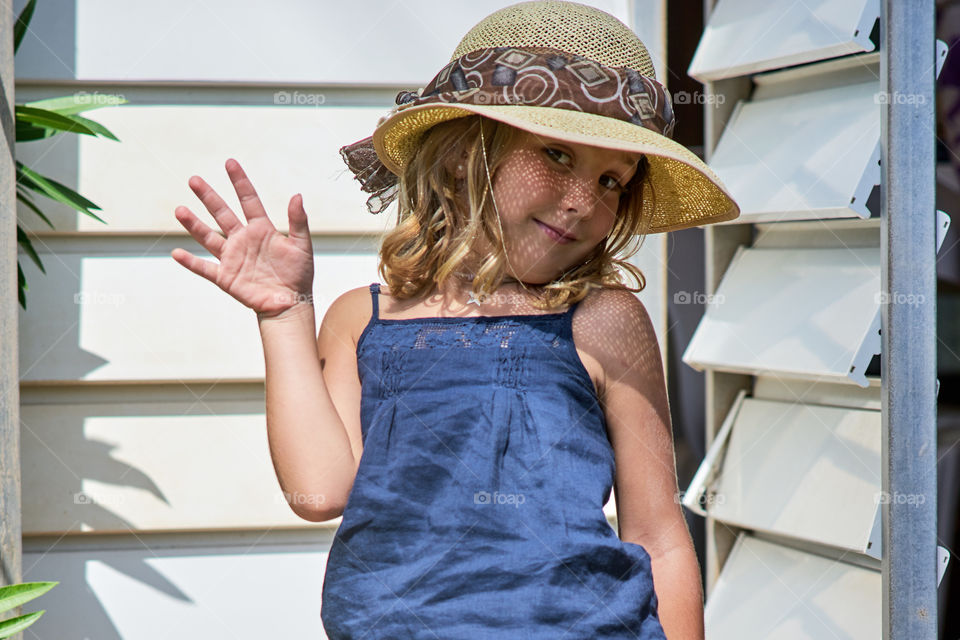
pixel 520 76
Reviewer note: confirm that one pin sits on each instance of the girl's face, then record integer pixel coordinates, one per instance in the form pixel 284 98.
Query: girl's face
pixel 557 201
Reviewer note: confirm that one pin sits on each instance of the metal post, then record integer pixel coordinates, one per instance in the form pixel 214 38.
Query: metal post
pixel 9 368
pixel 908 359
pixel 10 527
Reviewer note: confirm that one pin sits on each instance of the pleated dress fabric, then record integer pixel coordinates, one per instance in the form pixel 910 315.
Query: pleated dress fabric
pixel 477 509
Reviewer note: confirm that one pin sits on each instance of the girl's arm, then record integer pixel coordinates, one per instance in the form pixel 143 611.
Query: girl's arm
pixel 649 513
pixel 272 274
pixel 310 447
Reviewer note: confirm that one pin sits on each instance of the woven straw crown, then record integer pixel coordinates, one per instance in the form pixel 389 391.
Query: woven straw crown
pixel 568 26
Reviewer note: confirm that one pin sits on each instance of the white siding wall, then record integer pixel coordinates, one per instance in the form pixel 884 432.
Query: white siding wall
pixel 148 489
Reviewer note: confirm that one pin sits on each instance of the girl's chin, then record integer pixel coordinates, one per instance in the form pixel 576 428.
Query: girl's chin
pixel 537 279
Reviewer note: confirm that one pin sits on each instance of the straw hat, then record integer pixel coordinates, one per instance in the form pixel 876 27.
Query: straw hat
pixel 562 70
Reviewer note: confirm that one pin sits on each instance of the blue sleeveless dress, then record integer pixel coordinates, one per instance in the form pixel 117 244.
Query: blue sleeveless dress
pixel 477 509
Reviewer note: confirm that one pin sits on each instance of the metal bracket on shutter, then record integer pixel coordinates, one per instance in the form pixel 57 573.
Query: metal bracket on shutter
pixel 709 468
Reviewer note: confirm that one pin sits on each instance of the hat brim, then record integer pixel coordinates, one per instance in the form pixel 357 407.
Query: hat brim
pixel 687 192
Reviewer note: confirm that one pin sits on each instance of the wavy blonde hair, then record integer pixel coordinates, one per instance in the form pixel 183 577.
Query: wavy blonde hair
pixel 439 217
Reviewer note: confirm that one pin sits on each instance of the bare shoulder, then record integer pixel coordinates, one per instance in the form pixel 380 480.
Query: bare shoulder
pixel 614 310
pixel 613 333
pixel 350 311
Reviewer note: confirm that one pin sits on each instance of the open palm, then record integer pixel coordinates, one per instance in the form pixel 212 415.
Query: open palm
pixel 259 266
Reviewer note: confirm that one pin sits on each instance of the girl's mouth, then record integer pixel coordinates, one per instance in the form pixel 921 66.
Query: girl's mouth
pixel 555 234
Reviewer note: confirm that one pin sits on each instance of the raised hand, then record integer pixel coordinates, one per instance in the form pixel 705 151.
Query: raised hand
pixel 259 266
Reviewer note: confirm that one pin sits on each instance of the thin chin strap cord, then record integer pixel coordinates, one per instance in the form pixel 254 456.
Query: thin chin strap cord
pixel 483 148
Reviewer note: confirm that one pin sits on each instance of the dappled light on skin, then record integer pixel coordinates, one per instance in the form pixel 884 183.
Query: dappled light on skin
pixel 542 184
pixel 570 187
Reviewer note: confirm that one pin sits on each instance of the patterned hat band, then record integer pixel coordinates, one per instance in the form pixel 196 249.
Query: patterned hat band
pixel 544 77
pixel 530 76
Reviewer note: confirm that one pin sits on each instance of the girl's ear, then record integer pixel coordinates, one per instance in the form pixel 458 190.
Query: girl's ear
pixel 461 167
pixel 458 166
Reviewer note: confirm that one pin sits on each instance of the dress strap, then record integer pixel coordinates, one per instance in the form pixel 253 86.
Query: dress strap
pixel 375 296
pixel 573 307
pixel 566 320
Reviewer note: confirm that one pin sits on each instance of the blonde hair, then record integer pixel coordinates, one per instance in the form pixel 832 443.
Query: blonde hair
pixel 439 217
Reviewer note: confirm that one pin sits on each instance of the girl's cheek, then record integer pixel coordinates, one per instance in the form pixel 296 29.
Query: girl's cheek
pixel 610 207
pixel 610 221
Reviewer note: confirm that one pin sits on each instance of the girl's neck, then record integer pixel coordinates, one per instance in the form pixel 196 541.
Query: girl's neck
pixel 511 295
pixel 511 292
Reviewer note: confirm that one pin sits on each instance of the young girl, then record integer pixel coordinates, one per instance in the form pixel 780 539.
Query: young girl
pixel 469 419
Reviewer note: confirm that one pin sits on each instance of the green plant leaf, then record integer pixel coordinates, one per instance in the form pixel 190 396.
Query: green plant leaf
pixel 54 190
pixel 55 121
pixel 21 287
pixel 78 102
pixel 26 132
pixel 38 120
pixel 20 26
pixel 51 120
pixel 95 127
pixel 24 241
pixel 18 624
pixel 14 595
pixel 23 197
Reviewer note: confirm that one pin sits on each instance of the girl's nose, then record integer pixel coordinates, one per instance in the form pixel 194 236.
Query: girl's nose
pixel 578 196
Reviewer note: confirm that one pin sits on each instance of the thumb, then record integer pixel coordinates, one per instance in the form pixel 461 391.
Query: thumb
pixel 298 220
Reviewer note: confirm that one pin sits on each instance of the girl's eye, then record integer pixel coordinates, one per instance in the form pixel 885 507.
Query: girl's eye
pixel 613 183
pixel 556 154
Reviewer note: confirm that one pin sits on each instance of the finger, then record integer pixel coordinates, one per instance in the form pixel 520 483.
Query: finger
pixel 214 204
pixel 249 200
pixel 299 230
pixel 207 237
pixel 203 268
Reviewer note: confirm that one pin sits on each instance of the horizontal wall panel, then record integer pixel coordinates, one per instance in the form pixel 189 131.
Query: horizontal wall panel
pixel 767 590
pixel 849 69
pixel 364 42
pixel 133 466
pixel 183 457
pixel 134 313
pixel 818 234
pixel 122 309
pixel 807 313
pixel 801 470
pixel 747 36
pixel 813 154
pixel 212 588
pixel 821 234
pixel 818 392
pixel 139 181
